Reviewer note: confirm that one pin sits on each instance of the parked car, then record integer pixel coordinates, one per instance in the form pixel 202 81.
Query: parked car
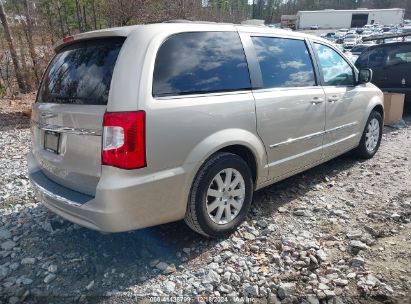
pixel 342 32
pixel 377 32
pixel 350 41
pixel 314 27
pixel 406 29
pixel 359 48
pixel 143 125
pixel 329 36
pixel 340 35
pixel 359 30
pixel 366 33
pixel 391 66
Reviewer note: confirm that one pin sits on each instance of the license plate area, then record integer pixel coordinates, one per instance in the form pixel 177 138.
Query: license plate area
pixel 52 141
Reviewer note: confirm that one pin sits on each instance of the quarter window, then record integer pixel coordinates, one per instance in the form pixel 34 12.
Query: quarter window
pixel 399 55
pixel 200 62
pixel 335 70
pixel 284 62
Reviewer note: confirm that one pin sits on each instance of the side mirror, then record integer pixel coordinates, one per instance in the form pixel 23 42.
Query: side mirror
pixel 364 76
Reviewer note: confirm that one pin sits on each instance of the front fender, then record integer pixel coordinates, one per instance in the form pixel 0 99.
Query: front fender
pixel 376 100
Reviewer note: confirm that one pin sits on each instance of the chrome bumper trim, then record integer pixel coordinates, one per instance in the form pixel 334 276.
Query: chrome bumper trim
pixel 44 192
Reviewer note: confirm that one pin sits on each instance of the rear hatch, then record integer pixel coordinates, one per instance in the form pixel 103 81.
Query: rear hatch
pixel 68 114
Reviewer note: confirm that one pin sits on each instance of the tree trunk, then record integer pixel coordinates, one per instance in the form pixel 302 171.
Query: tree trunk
pixel 60 19
pixel 93 5
pixel 23 57
pixel 49 23
pixel 66 20
pixel 78 12
pixel 85 26
pixel 13 54
pixel 29 36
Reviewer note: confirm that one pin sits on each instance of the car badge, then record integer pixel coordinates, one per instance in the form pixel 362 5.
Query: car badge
pixel 403 81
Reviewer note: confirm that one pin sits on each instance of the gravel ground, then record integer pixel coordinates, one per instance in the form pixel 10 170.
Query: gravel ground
pixel 339 233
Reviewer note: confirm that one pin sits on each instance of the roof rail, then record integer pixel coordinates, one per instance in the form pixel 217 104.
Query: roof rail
pixel 386 36
pixel 188 21
pixel 177 21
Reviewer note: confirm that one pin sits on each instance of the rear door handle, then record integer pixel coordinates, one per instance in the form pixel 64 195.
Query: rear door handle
pixel 316 100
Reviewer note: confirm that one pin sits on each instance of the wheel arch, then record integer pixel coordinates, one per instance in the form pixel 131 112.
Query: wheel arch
pixel 380 109
pixel 376 103
pixel 246 154
pixel 237 141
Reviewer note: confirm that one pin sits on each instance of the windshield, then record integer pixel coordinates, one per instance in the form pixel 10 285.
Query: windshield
pixel 81 73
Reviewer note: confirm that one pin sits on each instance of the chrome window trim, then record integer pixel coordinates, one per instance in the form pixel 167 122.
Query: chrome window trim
pixel 205 94
pixel 282 89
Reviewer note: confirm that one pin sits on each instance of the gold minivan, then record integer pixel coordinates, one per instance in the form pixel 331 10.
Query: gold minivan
pixel 143 125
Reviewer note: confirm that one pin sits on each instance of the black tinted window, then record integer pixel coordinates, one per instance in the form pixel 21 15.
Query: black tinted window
pixel 336 71
pixel 398 55
pixel 81 73
pixel 284 62
pixel 200 62
pixel 358 48
pixel 373 58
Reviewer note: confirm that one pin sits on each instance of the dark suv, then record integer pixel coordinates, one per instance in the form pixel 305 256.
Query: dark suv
pixel 391 64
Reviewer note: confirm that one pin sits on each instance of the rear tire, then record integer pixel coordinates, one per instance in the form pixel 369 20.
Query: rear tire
pixel 220 196
pixel 371 137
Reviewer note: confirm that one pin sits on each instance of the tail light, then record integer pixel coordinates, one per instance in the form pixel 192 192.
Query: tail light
pixel 124 143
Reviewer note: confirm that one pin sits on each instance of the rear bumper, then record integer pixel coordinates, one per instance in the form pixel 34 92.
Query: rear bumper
pixel 122 202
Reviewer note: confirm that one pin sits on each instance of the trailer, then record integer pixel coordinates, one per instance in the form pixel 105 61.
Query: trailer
pixel 334 19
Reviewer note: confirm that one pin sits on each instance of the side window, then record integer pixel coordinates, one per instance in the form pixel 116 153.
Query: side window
pixel 336 71
pixel 400 55
pixel 372 58
pixel 362 60
pixel 376 58
pixel 284 62
pixel 200 62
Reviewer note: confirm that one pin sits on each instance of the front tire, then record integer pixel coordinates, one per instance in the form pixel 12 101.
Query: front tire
pixel 220 196
pixel 371 137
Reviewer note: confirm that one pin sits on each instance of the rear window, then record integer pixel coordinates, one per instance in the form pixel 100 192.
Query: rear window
pixel 200 62
pixel 81 73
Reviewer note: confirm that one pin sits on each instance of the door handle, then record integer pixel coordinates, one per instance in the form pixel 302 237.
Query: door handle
pixel 333 98
pixel 316 100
